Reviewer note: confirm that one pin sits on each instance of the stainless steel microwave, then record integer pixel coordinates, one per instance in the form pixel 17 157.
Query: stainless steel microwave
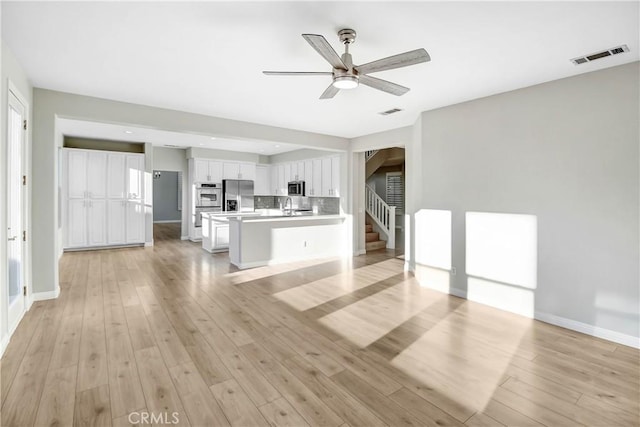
pixel 296 188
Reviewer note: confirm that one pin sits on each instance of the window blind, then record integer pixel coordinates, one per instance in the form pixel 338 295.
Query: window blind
pixel 395 190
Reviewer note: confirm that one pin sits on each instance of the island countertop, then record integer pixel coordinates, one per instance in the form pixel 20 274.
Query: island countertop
pixel 277 218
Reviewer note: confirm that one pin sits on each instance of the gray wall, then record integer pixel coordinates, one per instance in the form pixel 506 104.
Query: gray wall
pixel 565 151
pixel 165 197
pixel 12 71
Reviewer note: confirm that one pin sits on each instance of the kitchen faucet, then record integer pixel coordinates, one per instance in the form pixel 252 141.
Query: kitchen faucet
pixel 288 200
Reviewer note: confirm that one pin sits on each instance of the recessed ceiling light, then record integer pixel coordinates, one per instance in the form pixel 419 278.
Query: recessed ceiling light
pixel 277 146
pixel 201 143
pixel 128 131
pixel 213 137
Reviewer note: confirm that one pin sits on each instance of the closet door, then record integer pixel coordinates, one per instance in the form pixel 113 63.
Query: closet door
pixel 76 174
pixel 76 229
pixel 97 222
pixel 96 175
pixel 116 214
pixel 134 222
pixel 133 176
pixel 116 186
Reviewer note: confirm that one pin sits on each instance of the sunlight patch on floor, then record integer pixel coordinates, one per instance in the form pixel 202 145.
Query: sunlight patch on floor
pixel 462 359
pixel 371 318
pixel 321 291
pixel 243 276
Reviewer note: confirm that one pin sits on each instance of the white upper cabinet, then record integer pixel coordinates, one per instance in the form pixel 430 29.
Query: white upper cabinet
pixel 262 185
pixel 134 170
pixel 335 176
pixel 296 171
pixel 76 174
pixel 316 189
pixel 96 175
pixel 201 170
pixel 239 171
pixel 247 171
pixel 116 186
pixel 207 171
pixel 308 177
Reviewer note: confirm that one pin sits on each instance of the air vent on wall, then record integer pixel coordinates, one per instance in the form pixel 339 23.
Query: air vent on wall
pixel 392 111
pixel 592 57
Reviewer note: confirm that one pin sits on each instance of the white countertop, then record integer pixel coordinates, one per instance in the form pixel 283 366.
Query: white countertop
pixel 285 218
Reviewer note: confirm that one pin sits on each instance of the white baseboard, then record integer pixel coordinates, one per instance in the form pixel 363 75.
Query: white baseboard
pixel 42 296
pixel 563 322
pixel 184 237
pixel 148 244
pixel 170 221
pixel 585 328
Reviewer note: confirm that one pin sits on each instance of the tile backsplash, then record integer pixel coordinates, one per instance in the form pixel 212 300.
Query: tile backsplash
pixel 323 205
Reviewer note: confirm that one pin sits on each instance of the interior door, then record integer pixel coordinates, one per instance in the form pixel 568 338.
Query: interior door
pixel 15 150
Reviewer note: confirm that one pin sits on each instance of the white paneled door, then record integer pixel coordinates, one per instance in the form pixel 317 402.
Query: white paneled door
pixel 15 198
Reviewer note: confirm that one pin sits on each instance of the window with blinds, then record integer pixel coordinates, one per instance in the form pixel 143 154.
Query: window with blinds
pixel 395 190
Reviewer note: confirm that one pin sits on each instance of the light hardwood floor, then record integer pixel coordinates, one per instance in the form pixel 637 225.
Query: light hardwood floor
pixel 173 329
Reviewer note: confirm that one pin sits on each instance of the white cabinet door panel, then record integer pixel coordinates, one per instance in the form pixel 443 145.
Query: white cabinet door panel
pixel 326 177
pixel 116 186
pixel 335 176
pixel 215 172
pixel 201 171
pixel 76 223
pixel 134 222
pixel 96 175
pixel 274 181
pixel 133 176
pixel 308 177
pixel 262 181
pixel 97 222
pixel 76 174
pixel 317 178
pixel 230 170
pixel 248 171
pixel 116 218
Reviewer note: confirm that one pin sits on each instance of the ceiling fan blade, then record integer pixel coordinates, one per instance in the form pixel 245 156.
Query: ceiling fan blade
pixel 383 85
pixel 297 73
pixel 329 92
pixel 396 61
pixel 322 46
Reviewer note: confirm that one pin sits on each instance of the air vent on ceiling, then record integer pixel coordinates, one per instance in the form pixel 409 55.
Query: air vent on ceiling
pixel 598 55
pixel 172 146
pixel 392 111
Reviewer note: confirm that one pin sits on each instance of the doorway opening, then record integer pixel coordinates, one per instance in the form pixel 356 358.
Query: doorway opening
pixel 167 204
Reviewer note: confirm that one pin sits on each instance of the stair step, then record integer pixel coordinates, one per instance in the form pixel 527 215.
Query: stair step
pixel 368 228
pixel 372 236
pixel 379 244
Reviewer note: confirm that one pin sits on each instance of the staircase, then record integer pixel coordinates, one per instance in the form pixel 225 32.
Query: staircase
pixel 373 241
pixel 384 216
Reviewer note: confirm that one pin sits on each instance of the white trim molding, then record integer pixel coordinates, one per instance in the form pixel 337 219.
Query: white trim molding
pixel 148 244
pixel 585 328
pixel 4 343
pixel 184 237
pixel 168 221
pixel 42 296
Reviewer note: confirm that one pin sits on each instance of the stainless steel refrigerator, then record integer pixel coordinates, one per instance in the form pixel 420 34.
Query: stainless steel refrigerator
pixel 237 195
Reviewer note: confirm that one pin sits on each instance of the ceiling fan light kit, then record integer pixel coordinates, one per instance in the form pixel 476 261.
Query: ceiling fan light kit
pixel 345 75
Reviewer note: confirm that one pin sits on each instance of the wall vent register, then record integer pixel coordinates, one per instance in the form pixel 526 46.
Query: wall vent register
pixel 598 55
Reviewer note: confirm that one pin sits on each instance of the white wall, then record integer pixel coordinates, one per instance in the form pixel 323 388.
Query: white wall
pixel 50 104
pixel 11 71
pixel 377 141
pixel 564 152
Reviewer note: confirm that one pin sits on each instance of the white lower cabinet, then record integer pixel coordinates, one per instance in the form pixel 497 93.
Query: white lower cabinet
pixel 115 223
pixel 76 226
pixel 134 222
pixel 97 222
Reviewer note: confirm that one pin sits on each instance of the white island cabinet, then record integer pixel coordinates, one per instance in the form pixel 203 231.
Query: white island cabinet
pixel 215 233
pixel 259 240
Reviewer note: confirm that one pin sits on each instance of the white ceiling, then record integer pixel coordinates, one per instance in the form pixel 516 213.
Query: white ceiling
pixel 207 57
pixel 162 138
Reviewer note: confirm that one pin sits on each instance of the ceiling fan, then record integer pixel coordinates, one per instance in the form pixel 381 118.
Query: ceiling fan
pixel 346 75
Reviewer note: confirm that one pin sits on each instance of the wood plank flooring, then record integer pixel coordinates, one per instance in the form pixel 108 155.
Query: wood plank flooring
pixel 172 334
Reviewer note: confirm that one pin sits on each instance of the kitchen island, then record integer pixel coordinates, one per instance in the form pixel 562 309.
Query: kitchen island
pixel 215 230
pixel 264 240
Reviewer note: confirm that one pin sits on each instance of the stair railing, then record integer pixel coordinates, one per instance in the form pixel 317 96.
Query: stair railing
pixel 369 154
pixel 383 215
